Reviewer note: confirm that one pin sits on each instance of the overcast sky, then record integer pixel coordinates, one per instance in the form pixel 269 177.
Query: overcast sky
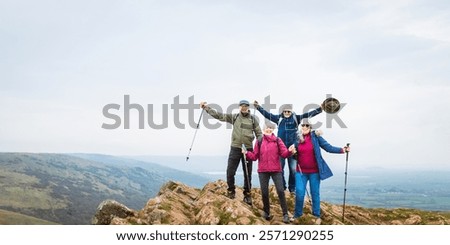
pixel 62 62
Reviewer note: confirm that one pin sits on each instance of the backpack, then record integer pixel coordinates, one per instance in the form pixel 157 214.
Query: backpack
pixel 253 122
pixel 251 116
pixel 260 142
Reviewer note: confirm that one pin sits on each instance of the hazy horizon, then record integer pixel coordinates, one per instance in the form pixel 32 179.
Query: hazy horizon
pixel 181 160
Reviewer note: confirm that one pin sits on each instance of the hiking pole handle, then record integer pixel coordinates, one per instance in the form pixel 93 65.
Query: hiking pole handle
pixel 346 152
pixel 245 149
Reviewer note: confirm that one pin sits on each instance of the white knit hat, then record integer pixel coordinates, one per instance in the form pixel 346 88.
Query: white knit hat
pixel 269 124
pixel 286 107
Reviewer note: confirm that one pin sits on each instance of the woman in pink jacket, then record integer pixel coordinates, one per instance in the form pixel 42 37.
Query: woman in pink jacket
pixel 268 151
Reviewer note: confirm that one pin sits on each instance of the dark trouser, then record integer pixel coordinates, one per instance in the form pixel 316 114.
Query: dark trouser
pixel 264 183
pixel 234 158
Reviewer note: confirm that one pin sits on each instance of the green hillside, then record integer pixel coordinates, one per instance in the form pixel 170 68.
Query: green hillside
pixel 67 189
pixel 11 218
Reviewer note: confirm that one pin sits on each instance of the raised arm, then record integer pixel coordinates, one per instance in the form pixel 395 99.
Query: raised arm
pixel 217 115
pixel 309 114
pixel 272 117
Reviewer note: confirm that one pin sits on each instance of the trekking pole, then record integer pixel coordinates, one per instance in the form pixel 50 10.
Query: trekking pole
pixel 246 167
pixel 195 134
pixel 345 183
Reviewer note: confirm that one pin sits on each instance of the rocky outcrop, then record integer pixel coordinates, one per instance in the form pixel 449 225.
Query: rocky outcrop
pixel 111 212
pixel 179 204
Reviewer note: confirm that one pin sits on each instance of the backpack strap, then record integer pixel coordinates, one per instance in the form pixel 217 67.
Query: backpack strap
pixel 295 119
pixel 251 116
pixel 293 115
pixel 260 142
pixel 253 121
pixel 235 117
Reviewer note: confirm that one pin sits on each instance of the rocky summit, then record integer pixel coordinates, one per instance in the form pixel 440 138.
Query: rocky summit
pixel 179 204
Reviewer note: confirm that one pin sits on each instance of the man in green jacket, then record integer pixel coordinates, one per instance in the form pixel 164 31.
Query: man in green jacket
pixel 245 127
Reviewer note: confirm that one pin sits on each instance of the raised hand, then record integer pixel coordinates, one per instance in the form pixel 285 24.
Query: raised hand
pixel 346 148
pixel 255 104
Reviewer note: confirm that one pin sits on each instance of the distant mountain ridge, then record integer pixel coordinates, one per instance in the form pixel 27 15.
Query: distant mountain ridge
pixel 66 189
pixel 168 171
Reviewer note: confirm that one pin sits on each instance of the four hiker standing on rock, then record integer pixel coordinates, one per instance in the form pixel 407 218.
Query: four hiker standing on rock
pixel 271 152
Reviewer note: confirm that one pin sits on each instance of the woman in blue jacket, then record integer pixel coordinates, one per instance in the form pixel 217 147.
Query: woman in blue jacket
pixel 311 167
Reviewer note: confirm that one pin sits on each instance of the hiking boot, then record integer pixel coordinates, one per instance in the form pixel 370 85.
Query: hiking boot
pixel 231 194
pixel 266 216
pixel 318 221
pixel 286 219
pixel 248 200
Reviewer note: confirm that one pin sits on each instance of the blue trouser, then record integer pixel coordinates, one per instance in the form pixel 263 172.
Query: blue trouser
pixel 292 163
pixel 264 178
pixel 301 180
